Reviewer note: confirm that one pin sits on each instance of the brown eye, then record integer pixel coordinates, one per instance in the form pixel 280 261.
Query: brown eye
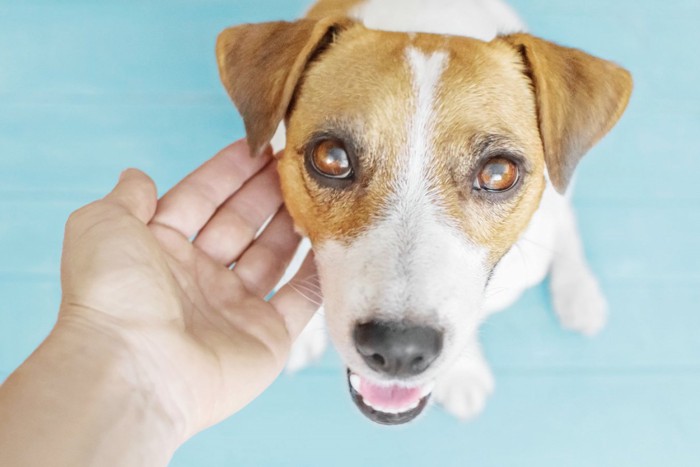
pixel 498 174
pixel 330 159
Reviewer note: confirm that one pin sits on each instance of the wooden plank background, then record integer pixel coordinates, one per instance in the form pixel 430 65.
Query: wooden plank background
pixel 88 88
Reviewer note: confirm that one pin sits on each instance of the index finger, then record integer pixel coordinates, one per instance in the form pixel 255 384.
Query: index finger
pixel 188 205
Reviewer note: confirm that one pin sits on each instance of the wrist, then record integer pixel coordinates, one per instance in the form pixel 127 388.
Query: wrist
pixel 86 384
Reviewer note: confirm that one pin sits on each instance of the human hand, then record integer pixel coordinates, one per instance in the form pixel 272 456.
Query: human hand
pixel 196 335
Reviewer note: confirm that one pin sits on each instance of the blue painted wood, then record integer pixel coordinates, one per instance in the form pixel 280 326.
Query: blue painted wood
pixel 88 88
pixel 577 418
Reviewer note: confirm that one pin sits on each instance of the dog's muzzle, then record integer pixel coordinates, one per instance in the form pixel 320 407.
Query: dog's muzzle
pixel 396 351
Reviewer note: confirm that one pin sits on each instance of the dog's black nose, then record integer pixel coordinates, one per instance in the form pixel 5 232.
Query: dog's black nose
pixel 397 349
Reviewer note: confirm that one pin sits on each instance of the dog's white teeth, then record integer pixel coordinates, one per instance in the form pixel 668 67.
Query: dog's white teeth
pixel 375 407
pixel 411 407
pixel 427 389
pixel 369 404
pixel 355 382
pixel 382 409
pixel 388 410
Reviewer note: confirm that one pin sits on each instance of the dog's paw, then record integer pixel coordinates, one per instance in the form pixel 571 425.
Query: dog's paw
pixel 309 346
pixel 463 391
pixel 579 303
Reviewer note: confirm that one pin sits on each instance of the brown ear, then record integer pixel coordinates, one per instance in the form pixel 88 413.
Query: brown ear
pixel 260 65
pixel 579 99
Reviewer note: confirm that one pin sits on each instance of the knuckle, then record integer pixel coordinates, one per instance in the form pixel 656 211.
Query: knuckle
pixel 77 218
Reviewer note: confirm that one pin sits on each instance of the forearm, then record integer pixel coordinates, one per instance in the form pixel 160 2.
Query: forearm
pixel 78 404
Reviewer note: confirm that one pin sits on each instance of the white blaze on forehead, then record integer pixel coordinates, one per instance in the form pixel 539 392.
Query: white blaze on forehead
pixel 426 71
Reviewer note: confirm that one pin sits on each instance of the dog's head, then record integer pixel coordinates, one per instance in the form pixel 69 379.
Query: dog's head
pixel 413 162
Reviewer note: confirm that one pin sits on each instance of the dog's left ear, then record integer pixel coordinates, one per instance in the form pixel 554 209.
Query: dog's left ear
pixel 579 99
pixel 261 64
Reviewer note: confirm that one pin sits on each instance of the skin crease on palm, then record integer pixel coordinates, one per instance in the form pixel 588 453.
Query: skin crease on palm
pixel 179 288
pixel 159 320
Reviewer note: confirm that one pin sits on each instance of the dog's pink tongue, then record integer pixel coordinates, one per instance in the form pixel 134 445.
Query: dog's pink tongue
pixel 390 397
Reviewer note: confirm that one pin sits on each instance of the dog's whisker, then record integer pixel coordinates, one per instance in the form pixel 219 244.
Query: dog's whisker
pixel 309 287
pixel 312 276
pixel 495 292
pixel 314 292
pixel 545 248
pixel 301 292
pixel 312 301
pixel 310 280
pixel 557 252
pixel 539 245
pixel 301 285
pixel 523 257
pixel 309 284
pixel 315 300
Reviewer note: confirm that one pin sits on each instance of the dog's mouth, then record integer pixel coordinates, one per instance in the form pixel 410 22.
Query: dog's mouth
pixel 388 404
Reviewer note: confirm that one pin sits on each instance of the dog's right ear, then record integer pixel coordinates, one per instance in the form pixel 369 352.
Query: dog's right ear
pixel 261 64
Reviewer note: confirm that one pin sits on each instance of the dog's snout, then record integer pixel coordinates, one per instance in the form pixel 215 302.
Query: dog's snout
pixel 396 349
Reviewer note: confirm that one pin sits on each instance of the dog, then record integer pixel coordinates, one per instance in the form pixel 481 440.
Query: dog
pixel 428 152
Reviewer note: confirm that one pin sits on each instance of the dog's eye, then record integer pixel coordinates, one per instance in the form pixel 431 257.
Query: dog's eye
pixel 330 159
pixel 498 174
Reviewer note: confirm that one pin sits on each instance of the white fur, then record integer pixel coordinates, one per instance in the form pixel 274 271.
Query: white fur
pixel 481 19
pixel 527 262
pixel 576 296
pixel 463 389
pixel 310 345
pixel 426 72
pixel 415 240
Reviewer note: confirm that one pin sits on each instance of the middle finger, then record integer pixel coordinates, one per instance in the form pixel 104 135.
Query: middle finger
pixel 229 232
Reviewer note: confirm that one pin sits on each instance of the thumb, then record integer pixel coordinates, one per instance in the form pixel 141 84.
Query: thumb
pixel 135 192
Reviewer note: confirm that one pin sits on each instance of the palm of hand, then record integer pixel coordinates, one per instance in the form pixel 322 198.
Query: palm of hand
pixel 202 333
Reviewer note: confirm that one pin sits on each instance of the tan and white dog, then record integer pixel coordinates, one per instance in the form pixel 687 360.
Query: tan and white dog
pixel 429 147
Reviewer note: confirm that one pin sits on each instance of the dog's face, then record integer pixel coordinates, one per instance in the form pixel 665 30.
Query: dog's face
pixel 413 163
pixel 412 170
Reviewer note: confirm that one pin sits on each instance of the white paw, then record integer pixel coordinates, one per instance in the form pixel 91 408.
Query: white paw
pixel 464 389
pixel 579 303
pixel 309 346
